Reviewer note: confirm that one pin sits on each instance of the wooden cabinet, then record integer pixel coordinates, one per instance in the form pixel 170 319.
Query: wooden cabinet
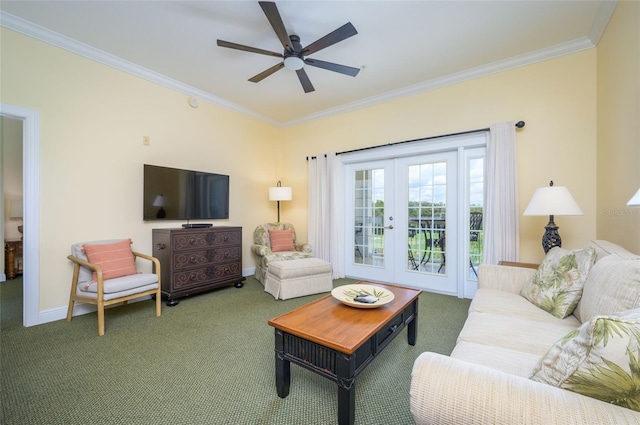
pixel 198 259
pixel 13 258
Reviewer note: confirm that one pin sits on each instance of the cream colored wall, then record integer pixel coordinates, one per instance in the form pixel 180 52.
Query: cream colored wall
pixel 556 98
pixel 92 121
pixel 619 127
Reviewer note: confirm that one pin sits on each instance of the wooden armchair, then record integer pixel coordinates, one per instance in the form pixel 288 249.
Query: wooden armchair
pixel 97 283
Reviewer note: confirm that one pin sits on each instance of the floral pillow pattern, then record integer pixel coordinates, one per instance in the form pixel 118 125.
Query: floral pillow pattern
pixel 556 286
pixel 600 359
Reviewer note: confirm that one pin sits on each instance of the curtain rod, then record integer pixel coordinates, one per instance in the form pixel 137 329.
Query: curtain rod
pixel 519 124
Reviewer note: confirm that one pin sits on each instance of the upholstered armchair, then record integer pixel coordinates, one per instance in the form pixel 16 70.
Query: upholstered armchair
pixel 266 252
pixel 104 273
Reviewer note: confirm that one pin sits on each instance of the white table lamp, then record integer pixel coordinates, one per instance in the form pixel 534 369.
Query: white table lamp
pixel 16 211
pixel 551 201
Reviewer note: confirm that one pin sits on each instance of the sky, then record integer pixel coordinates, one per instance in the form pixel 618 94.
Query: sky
pixel 427 182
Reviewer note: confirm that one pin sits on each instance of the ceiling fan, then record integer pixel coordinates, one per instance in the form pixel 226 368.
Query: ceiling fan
pixel 295 56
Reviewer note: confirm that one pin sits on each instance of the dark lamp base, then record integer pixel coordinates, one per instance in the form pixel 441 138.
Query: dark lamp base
pixel 551 237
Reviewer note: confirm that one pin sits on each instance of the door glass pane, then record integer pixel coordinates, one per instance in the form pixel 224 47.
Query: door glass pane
pixel 368 217
pixel 427 207
pixel 476 211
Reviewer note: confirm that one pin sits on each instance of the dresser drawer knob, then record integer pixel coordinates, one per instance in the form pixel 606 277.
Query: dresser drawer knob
pixel 192 276
pixel 192 241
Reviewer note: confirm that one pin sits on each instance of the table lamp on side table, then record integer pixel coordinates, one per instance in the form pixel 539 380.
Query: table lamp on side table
pixel 15 212
pixel 552 200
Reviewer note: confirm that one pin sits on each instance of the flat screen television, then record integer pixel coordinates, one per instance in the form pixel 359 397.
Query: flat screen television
pixel 176 194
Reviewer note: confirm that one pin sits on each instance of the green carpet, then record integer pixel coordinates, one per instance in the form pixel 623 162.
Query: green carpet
pixel 209 360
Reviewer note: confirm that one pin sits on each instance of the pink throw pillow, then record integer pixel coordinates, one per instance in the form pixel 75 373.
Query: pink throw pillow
pixel 281 240
pixel 115 259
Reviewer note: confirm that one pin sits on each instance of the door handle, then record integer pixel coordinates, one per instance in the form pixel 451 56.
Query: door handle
pixel 391 225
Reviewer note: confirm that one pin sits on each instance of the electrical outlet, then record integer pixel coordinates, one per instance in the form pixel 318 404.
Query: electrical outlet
pixel 146 140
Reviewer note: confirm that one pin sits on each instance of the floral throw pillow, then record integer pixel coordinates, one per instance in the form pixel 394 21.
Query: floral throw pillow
pixel 600 359
pixel 556 286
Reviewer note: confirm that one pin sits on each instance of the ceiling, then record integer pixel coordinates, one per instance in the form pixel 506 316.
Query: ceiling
pixel 402 47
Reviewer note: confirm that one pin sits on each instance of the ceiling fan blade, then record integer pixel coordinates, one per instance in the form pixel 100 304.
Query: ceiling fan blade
pixel 305 81
pixel 344 32
pixel 342 69
pixel 271 11
pixel 264 74
pixel 237 46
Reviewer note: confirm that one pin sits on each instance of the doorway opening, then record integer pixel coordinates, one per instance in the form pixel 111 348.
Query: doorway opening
pixel 31 210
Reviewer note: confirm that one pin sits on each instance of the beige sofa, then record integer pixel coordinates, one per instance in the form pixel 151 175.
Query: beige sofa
pixel 486 380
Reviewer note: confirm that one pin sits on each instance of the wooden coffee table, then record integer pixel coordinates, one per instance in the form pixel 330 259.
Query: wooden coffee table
pixel 337 341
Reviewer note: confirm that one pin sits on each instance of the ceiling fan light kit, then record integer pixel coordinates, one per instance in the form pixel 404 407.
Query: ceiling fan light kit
pixel 293 63
pixel 294 55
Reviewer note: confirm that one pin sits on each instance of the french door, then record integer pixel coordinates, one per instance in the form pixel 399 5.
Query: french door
pixel 370 213
pixel 402 221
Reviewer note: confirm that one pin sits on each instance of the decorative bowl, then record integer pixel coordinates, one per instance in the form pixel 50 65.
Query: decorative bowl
pixel 346 294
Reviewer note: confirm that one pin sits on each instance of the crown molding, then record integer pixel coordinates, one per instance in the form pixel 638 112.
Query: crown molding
pixel 35 31
pixel 47 36
pixel 436 83
pixel 605 12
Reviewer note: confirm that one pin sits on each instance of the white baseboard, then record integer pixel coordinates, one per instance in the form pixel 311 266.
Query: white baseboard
pixel 60 313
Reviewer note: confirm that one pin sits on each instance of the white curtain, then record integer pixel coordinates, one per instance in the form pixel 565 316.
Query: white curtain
pixel 501 241
pixel 326 210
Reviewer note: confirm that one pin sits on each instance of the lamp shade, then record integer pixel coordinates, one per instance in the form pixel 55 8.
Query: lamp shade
pixel 552 200
pixel 280 193
pixel 635 200
pixel 160 201
pixel 15 208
